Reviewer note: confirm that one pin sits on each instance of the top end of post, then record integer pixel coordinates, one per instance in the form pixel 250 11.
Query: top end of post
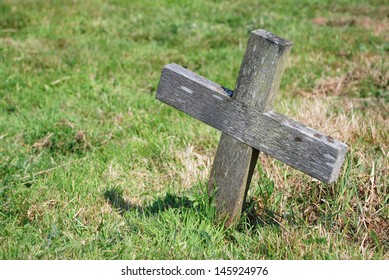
pixel 272 38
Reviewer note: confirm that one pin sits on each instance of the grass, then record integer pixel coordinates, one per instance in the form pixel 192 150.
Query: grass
pixel 93 167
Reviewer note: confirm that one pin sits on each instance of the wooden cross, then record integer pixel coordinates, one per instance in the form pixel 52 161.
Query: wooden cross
pixel 248 124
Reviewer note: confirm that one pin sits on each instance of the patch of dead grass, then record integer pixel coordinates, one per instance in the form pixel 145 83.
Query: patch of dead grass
pixel 36 211
pixel 363 68
pixel 196 166
pixel 64 141
pixel 43 143
pixel 187 167
pixel 364 126
pixel 377 25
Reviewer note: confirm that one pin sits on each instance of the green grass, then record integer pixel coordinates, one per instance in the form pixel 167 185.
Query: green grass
pixel 92 166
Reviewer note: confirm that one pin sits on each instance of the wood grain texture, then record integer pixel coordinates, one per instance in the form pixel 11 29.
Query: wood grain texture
pixel 257 85
pixel 261 70
pixel 281 137
pixel 231 175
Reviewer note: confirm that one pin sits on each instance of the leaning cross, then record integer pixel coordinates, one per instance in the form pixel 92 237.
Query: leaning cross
pixel 248 124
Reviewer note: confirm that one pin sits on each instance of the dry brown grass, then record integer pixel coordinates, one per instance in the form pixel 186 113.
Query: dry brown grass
pixel 378 25
pixel 365 129
pixel 372 69
pixel 363 124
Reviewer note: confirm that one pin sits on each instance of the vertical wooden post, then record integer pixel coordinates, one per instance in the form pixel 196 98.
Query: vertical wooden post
pixel 257 85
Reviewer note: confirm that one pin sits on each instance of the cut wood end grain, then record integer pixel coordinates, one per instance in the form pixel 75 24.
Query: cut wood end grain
pixel 272 37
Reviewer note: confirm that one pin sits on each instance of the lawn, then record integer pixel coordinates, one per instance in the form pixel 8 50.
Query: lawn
pixel 92 166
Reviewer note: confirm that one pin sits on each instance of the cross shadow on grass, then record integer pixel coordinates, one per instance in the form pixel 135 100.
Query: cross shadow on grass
pixel 168 202
pixel 254 216
pixel 161 204
pixel 115 198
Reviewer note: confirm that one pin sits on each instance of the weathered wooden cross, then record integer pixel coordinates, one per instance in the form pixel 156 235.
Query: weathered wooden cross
pixel 248 124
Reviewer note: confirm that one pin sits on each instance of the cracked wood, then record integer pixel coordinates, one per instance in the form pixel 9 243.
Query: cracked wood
pixel 274 134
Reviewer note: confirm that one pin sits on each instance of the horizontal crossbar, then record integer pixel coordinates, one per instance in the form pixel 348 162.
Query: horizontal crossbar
pixel 289 141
